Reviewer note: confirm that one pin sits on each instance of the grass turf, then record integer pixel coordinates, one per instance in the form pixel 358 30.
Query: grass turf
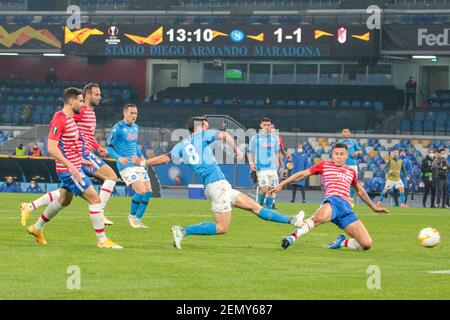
pixel 247 263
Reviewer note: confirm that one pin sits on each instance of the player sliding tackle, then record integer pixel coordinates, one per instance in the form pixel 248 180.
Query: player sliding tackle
pixel 337 180
pixel 195 151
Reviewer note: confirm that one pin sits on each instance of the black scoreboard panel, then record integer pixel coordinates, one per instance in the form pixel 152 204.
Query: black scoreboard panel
pixel 225 41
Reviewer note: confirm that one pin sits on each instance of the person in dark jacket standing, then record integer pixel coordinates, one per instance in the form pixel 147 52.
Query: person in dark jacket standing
pixel 427 178
pixel 410 93
pixel 440 169
pixel 300 162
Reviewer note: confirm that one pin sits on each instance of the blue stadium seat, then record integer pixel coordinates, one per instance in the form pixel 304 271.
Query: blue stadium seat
pixel 197 101
pixel 50 99
pixel 218 102
pixel 323 104
pixel 46 118
pixel 446 105
pixel 20 99
pixel 435 105
pixel 9 108
pixel 187 101
pixel 419 116
pixel 280 103
pixel 356 104
pixel 417 127
pixel 249 102
pixel 11 99
pixel 405 126
pixel 291 103
pixel 228 102
pixel 17 109
pixel 49 109
pixel 428 126
pixel 7 117
pixel 448 126
pixel 39 109
pixel 36 118
pixel 379 106
pixel 442 116
pixel 259 102
pixel 431 116
pixel 440 127
pixel 167 101
pixel 40 99
pixel 312 104
pixel 344 104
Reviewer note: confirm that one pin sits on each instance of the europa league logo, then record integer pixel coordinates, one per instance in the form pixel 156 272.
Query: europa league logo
pixel 113 31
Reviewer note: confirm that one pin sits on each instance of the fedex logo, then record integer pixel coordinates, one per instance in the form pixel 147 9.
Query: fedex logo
pixel 430 39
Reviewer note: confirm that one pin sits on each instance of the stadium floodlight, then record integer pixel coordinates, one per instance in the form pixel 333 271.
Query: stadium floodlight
pixel 54 55
pixel 424 57
pixel 9 54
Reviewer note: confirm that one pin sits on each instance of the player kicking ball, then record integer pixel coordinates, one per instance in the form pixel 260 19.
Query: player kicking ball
pixel 195 151
pixel 337 179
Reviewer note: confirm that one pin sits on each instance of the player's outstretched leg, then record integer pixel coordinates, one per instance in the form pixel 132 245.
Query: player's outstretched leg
pixel 244 202
pixel 321 216
pixel 27 208
pixel 359 238
pixel 220 226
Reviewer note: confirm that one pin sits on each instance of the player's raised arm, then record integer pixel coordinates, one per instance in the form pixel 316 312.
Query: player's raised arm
pixel 361 192
pixel 225 136
pixel 301 175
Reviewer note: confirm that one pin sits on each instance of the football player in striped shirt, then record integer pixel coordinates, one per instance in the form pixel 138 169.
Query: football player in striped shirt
pixel 65 145
pixel 337 179
pixel 86 122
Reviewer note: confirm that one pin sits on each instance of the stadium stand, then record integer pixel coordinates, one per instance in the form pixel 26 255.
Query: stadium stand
pixel 17 95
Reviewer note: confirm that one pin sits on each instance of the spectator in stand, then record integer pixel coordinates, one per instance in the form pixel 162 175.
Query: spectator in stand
pixel 35 151
pixel 410 93
pixel 10 185
pixel 51 78
pixel 106 101
pixel 268 101
pixel 25 114
pixel 20 150
pixel 206 100
pixel 33 187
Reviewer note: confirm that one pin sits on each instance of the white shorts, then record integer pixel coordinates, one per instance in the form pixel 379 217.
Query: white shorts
pixel 132 174
pixel 267 178
pixel 390 184
pixel 221 195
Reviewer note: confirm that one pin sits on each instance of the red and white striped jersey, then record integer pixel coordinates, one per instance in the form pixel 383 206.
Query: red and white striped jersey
pixel 336 180
pixel 64 130
pixel 86 122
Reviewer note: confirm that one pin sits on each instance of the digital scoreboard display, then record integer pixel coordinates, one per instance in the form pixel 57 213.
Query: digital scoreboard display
pixel 227 41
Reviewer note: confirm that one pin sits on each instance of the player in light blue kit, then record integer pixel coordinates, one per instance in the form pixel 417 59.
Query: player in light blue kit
pixel 264 149
pixel 354 150
pixel 196 152
pixel 123 146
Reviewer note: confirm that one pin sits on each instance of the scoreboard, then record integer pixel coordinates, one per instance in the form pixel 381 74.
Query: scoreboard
pixel 223 41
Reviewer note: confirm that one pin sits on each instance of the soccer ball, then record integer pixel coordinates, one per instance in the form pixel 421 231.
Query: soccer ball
pixel 429 237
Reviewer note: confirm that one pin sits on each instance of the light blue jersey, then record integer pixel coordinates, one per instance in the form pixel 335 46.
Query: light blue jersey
pixel 196 152
pixel 123 142
pixel 265 149
pixel 352 146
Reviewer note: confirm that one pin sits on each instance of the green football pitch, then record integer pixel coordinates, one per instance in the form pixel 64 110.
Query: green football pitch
pixel 247 263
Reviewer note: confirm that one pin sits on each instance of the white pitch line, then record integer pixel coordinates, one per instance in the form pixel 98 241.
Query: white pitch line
pixel 439 272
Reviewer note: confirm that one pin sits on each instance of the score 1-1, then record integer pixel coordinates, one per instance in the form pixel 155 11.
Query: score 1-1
pixel 297 34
